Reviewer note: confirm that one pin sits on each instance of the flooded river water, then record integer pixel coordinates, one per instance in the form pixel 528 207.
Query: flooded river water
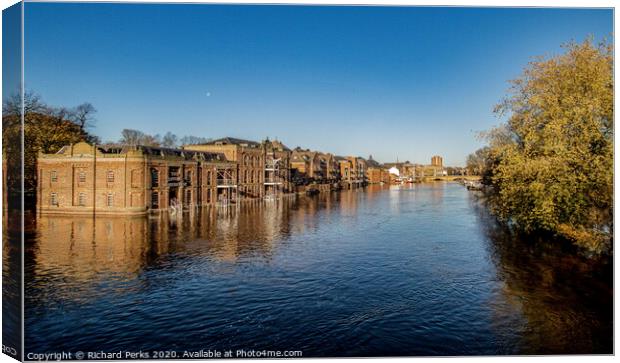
pixel 400 270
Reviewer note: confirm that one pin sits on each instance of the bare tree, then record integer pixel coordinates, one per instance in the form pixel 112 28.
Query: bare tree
pixel 136 137
pixel 131 137
pixel 193 140
pixel 32 103
pixel 83 115
pixel 169 140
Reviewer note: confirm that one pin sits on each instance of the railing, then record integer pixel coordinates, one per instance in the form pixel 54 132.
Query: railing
pixel 273 181
pixel 226 182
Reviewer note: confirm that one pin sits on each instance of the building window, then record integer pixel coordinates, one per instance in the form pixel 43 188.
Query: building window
pixel 54 176
pixel 155 200
pixel 82 177
pixel 110 176
pixel 154 177
pixel 54 199
pixel 110 200
pixel 188 197
pixel 82 199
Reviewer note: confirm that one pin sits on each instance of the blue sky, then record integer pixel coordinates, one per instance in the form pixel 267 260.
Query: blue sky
pixel 406 82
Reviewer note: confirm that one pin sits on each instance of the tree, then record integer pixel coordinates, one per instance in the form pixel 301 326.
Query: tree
pixel 82 115
pixel 477 161
pixel 169 140
pixel 32 104
pixel 136 137
pixel 551 164
pixel 46 129
pixel 193 140
pixel 131 137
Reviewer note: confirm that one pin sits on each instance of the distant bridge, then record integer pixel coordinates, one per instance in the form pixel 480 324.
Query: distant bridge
pixel 451 178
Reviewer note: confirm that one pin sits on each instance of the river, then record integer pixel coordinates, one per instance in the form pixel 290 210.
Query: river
pixel 399 270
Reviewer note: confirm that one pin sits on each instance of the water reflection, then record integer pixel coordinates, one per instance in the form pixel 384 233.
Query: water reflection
pixel 86 247
pixel 11 282
pixel 565 300
pixel 402 270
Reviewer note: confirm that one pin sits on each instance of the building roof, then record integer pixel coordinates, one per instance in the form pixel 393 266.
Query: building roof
pixel 306 154
pixel 186 154
pixel 300 156
pixel 276 145
pixel 326 157
pixel 233 141
pixel 120 149
pixel 373 163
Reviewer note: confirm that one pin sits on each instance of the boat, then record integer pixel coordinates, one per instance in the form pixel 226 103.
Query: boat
pixel 473 185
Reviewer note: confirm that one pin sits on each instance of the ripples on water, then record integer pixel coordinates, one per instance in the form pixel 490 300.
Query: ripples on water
pixel 414 270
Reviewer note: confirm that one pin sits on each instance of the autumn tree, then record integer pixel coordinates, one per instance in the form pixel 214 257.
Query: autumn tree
pixel 551 164
pixel 476 162
pixel 46 129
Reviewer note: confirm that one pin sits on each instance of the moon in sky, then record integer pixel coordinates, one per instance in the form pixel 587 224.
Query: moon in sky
pixel 208 94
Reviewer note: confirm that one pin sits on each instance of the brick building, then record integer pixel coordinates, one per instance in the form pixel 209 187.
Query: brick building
pixel 329 167
pixel 250 158
pixel 376 173
pixel 306 165
pixel 91 179
pixel 87 179
pixel 277 178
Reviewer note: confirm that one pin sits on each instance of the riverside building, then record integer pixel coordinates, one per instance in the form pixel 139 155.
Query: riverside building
pixel 87 179
pixel 136 179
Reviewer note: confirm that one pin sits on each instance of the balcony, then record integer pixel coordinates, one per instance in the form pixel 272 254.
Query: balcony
pixel 174 181
pixel 226 183
pixel 273 181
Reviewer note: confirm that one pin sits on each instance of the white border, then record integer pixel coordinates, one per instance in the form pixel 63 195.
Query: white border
pixel 466 3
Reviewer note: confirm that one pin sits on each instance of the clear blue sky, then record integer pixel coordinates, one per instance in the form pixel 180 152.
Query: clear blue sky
pixel 406 82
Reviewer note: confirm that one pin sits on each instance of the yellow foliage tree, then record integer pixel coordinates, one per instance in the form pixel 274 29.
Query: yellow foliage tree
pixel 552 166
pixel 45 129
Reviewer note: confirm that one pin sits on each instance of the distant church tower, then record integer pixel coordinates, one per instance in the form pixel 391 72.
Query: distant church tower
pixel 437 161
